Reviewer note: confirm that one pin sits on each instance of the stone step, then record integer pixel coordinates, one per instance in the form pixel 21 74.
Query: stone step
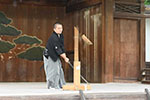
pixel 90 96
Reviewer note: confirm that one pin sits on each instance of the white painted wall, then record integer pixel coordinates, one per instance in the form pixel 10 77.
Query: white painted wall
pixel 148 40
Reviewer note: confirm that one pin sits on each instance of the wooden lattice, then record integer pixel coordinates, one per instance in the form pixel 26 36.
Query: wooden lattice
pixel 129 8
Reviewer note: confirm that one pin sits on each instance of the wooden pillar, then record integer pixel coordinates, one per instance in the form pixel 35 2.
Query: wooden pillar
pixel 76 58
pixel 142 37
pixel 76 85
pixel 107 39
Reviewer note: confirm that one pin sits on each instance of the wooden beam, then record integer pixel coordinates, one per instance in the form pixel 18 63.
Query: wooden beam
pixel 86 40
pixel 130 15
pixel 107 36
pixel 128 3
pixel 142 37
pixel 40 3
pixel 76 44
pixel 81 5
pixel 76 67
pixel 103 44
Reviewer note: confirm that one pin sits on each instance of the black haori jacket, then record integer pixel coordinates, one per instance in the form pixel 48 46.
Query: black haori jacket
pixel 55 46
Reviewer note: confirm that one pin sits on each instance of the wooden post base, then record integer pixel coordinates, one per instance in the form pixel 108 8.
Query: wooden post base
pixel 77 87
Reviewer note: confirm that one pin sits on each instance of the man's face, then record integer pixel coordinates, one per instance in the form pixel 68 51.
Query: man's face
pixel 58 29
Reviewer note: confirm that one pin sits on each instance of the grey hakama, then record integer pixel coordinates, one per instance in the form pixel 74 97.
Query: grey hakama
pixel 54 73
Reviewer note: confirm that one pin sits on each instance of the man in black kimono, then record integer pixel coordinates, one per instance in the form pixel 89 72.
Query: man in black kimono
pixel 52 64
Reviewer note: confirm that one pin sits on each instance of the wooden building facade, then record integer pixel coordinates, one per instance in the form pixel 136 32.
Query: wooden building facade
pixel 116 28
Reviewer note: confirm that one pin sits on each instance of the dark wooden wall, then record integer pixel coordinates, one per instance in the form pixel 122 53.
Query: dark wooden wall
pixel 129 42
pixel 126 53
pixel 118 39
pixel 34 21
pixel 89 22
pixel 37 21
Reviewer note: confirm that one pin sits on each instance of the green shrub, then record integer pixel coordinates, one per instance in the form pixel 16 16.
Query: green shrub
pixel 147 2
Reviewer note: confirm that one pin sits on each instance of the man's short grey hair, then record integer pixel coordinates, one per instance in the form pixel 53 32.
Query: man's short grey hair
pixel 57 23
